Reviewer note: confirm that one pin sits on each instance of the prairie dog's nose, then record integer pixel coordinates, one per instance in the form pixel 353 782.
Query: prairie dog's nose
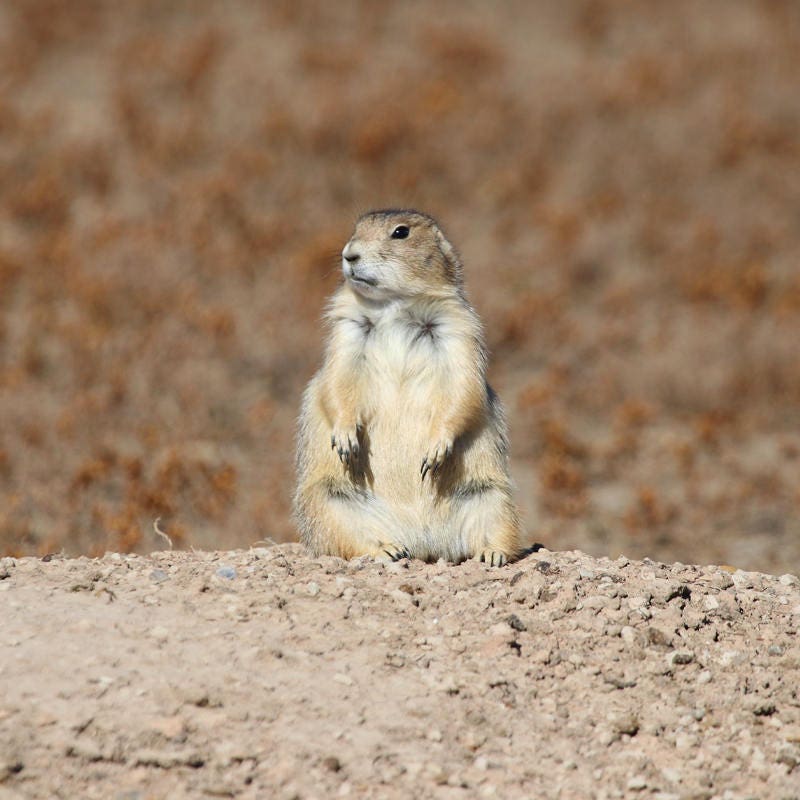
pixel 350 254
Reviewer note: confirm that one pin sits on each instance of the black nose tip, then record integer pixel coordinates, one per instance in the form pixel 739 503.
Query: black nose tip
pixel 351 259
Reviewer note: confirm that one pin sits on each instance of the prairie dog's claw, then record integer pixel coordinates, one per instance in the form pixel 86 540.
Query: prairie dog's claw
pixel 345 442
pixel 492 558
pixel 436 456
pixel 395 552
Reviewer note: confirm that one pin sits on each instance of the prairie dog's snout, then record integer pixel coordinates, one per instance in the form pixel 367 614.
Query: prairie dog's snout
pixel 361 275
pixel 350 257
pixel 350 253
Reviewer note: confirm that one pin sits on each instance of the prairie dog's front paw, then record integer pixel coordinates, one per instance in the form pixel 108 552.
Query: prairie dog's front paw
pixel 345 442
pixel 435 457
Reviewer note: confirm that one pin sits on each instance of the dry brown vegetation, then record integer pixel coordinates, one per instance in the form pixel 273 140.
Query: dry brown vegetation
pixel 623 180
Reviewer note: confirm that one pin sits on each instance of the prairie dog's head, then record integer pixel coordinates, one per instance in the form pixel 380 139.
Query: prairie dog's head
pixel 400 253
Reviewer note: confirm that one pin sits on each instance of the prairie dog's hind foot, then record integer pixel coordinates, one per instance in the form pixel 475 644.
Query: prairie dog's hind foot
pixel 392 552
pixel 492 558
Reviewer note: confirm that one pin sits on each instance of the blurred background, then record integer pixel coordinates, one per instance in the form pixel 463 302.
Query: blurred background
pixel 622 179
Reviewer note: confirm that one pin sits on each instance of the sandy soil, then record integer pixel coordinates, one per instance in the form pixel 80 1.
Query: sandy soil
pixel 265 673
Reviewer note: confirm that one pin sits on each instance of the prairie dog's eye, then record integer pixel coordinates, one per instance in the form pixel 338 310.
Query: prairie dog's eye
pixel 400 232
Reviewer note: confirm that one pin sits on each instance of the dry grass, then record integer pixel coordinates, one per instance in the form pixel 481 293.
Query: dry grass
pixel 175 184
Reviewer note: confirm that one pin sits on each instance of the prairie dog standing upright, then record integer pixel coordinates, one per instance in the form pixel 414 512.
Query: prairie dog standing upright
pixel 402 444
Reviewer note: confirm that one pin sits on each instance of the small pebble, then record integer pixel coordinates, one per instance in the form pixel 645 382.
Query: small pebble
pixel 10 765
pixel 685 741
pixel 657 638
pixel 160 633
pixel 710 603
pixel 596 602
pixel 433 771
pixel 742 579
pixel 680 657
pixel 625 723
pixel 628 634
pixel 791 733
pixel 729 658
pixel 158 576
pixel 637 783
pixel 226 571
pixel 764 709
pixel 722 581
pixel 606 737
pixel 671 774
pixel 516 623
pixel 789 756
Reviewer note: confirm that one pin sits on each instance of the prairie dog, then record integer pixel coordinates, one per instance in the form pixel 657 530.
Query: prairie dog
pixel 402 444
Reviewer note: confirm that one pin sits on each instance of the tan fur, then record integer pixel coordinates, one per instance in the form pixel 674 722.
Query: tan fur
pixel 402 446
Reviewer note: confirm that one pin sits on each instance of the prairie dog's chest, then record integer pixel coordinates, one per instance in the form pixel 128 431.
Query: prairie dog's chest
pixel 398 348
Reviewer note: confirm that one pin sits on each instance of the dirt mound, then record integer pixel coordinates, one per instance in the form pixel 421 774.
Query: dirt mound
pixel 265 673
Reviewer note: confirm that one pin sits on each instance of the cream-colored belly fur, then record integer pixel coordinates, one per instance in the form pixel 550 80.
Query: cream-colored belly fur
pixel 401 371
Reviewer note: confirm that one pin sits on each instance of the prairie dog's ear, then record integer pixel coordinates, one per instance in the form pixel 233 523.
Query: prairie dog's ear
pixel 451 260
